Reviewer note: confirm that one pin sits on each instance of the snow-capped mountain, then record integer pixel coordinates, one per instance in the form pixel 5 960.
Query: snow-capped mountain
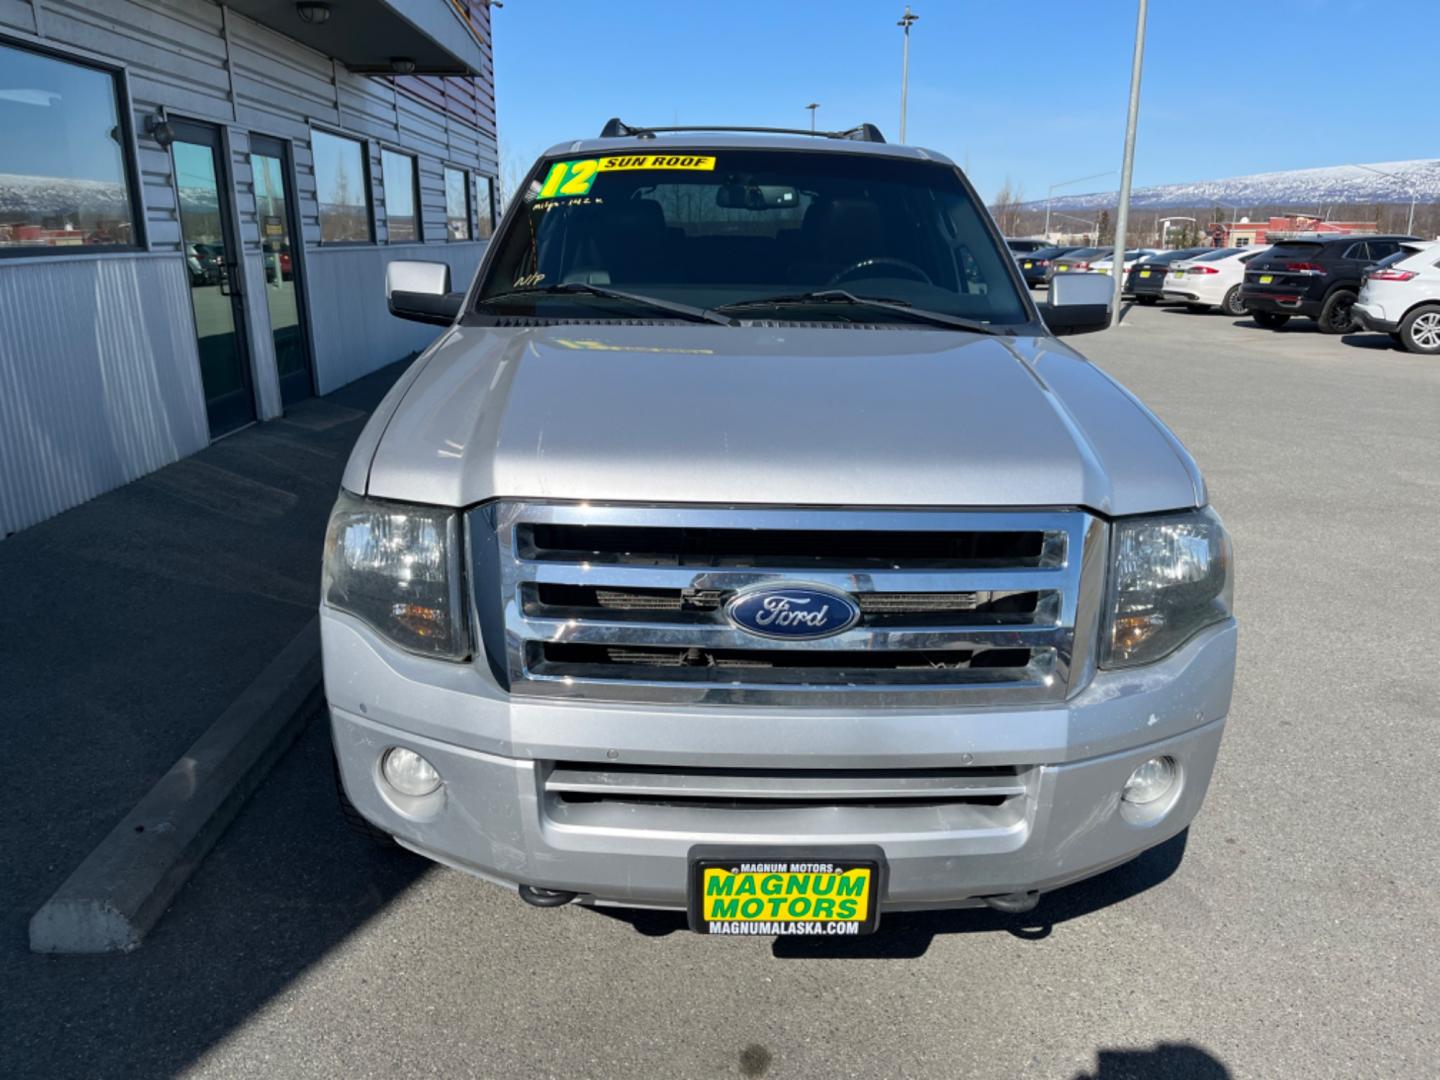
pixel 1301 188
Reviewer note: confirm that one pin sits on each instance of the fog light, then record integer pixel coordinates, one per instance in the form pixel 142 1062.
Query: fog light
pixel 409 773
pixel 1151 781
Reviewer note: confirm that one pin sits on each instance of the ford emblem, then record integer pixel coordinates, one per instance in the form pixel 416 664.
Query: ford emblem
pixel 792 612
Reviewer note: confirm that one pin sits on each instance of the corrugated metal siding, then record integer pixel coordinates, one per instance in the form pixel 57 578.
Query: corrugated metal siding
pixel 136 341
pixel 99 380
pixel 354 331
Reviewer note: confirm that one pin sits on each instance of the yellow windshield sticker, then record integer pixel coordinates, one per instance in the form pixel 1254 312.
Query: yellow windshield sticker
pixel 567 179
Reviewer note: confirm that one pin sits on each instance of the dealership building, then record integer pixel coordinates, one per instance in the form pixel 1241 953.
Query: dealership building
pixel 197 205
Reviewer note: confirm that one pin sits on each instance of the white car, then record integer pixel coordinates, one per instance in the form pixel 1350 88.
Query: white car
pixel 1212 280
pixel 1400 296
pixel 1132 256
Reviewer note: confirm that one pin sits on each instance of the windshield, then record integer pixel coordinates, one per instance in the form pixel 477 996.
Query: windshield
pixel 715 228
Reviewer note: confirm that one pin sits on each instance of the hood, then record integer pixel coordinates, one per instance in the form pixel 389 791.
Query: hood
pixel 786 415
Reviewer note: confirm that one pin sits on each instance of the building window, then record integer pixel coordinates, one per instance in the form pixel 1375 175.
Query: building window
pixel 342 188
pixel 484 206
pixel 402 221
pixel 457 204
pixel 64 183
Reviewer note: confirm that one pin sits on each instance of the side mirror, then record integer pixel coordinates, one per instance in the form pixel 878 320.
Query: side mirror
pixel 420 291
pixel 1078 303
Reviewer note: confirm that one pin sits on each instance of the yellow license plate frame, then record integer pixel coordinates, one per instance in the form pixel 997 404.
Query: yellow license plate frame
pixel 757 893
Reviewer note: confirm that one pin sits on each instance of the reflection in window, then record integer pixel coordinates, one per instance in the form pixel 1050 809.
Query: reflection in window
pixel 457 205
pixel 340 188
pixel 62 161
pixel 398 172
pixel 484 206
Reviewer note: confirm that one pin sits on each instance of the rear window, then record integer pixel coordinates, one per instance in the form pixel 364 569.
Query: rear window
pixel 1217 254
pixel 1299 250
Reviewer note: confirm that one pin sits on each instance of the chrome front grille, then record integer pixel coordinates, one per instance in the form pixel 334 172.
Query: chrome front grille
pixel 627 603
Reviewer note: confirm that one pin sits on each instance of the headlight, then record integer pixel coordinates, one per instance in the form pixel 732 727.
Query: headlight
pixel 397 568
pixel 1169 578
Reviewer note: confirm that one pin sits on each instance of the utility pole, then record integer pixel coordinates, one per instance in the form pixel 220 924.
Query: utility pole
pixel 1122 216
pixel 812 107
pixel 906 21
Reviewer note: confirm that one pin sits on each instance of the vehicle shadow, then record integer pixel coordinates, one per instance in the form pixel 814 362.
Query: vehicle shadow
pixel 1374 342
pixel 1167 1061
pixel 906 935
pixel 286 886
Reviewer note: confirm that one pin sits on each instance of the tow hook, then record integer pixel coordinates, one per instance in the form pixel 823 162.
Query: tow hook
pixel 538 897
pixel 1015 903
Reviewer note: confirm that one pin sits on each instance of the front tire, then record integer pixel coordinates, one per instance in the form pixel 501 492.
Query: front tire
pixel 1270 320
pixel 1420 330
pixel 1336 316
pixel 1232 304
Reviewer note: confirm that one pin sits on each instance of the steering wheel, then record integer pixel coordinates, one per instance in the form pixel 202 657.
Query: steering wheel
pixel 911 270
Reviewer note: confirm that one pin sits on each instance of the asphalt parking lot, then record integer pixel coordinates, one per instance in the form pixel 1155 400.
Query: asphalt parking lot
pixel 1293 933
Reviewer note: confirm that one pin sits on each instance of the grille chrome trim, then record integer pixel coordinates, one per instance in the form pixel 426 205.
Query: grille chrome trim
pixel 1059 634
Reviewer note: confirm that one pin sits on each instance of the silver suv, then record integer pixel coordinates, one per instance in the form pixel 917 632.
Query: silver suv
pixel 748 544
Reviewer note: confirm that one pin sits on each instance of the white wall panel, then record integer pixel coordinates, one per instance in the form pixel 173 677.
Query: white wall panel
pixel 355 333
pixel 99 379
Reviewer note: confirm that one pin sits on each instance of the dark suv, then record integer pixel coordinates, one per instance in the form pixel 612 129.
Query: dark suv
pixel 1318 278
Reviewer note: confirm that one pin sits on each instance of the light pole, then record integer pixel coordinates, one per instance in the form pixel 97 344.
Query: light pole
pixel 1122 216
pixel 1066 183
pixel 812 107
pixel 906 21
pixel 1410 223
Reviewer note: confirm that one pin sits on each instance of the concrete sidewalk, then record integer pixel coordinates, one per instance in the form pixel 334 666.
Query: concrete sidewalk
pixel 130 623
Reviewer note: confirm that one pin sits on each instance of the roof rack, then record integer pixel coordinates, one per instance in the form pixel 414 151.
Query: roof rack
pixel 615 128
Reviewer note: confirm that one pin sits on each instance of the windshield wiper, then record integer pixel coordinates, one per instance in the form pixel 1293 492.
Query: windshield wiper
pixel 843 296
pixel 671 307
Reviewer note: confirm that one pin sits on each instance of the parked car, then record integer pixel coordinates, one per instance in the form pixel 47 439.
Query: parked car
pixel 1023 247
pixel 1401 297
pixel 1077 261
pixel 1146 276
pixel 1213 279
pixel 1316 277
pixel 1035 264
pixel 1132 256
pixel 204 263
pixel 736 571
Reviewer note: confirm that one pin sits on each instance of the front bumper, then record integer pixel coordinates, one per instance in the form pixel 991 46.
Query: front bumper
pixel 494 817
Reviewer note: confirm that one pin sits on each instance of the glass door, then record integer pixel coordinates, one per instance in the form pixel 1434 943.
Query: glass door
pixel 201 179
pixel 274 207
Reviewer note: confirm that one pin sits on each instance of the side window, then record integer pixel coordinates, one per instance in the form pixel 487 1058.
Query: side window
pixel 402 223
pixel 1357 251
pixel 67 185
pixel 1380 249
pixel 457 204
pixel 484 206
pixel 342 189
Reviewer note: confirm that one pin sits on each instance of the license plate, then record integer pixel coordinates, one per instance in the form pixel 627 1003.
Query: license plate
pixel 1177 273
pixel 1028 265
pixel 1101 270
pixel 785 892
pixel 1144 273
pixel 1062 268
pixel 1266 279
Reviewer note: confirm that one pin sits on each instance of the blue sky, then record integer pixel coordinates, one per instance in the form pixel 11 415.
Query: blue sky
pixel 1231 86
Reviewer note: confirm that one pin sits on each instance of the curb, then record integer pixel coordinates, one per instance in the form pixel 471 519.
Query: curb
pixel 123 887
